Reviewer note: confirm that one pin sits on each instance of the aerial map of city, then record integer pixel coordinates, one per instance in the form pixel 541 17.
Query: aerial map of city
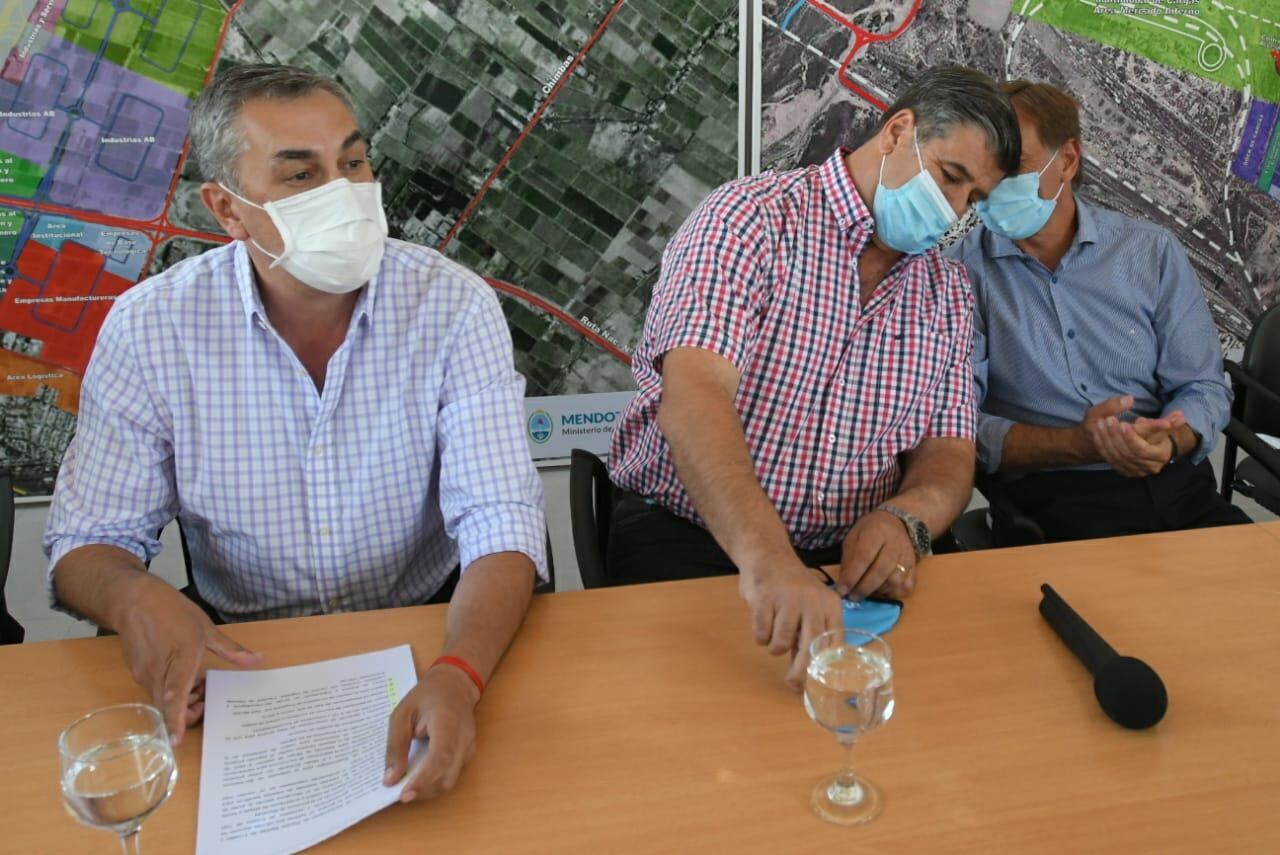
pixel 552 147
pixel 1179 99
pixel 556 147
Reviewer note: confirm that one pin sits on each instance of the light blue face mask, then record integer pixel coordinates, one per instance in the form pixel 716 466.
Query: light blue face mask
pixel 914 217
pixel 1014 209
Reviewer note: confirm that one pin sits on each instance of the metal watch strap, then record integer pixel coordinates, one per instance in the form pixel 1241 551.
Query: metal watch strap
pixel 917 531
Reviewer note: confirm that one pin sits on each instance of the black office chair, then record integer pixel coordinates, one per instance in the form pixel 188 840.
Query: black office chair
pixel 1256 382
pixel 592 499
pixel 998 525
pixel 549 586
pixel 11 632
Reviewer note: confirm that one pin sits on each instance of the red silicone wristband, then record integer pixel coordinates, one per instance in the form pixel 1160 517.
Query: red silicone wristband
pixel 461 665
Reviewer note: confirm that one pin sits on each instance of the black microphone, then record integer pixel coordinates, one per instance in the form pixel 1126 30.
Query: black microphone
pixel 1127 689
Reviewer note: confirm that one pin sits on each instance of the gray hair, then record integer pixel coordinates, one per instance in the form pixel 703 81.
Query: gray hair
pixel 945 96
pixel 217 140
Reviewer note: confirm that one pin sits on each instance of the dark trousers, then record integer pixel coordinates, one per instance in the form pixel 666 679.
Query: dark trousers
pixel 648 543
pixel 1076 505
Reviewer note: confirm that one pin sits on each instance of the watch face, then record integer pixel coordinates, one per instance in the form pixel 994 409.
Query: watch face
pixel 923 541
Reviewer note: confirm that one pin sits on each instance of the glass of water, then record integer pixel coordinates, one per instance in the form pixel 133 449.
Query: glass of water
pixel 849 691
pixel 117 768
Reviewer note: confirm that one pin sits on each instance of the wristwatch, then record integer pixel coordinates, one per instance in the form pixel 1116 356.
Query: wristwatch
pixel 1173 451
pixel 916 529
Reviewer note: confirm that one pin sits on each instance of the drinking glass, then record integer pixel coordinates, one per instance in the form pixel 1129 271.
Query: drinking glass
pixel 849 691
pixel 117 768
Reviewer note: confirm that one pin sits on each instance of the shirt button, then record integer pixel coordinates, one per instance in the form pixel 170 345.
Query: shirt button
pixel 1053 280
pixel 1084 387
pixel 832 439
pixel 319 451
pixel 335 604
pixel 1071 333
pixel 325 531
pixel 822 497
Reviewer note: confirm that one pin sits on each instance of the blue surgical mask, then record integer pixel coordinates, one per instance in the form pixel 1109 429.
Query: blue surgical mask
pixel 914 217
pixel 1014 209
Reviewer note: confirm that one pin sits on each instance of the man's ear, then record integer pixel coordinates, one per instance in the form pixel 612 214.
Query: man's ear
pixel 1071 154
pixel 219 202
pixel 901 124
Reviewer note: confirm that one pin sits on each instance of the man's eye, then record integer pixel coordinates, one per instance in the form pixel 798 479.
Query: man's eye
pixel 949 178
pixel 355 164
pixel 300 176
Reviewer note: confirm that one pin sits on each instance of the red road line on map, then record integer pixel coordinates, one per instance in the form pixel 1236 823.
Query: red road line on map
pixel 559 313
pixel 862 38
pixel 152 227
pixel 533 123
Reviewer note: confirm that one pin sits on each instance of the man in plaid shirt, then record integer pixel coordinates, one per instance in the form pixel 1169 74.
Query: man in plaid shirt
pixel 805 391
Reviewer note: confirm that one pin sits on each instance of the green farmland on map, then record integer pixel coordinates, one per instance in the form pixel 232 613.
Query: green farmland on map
pixel 1228 43
pixel 171 43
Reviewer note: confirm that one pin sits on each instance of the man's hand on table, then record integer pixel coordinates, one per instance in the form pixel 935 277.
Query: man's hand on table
pixel 877 558
pixel 164 637
pixel 790 606
pixel 441 709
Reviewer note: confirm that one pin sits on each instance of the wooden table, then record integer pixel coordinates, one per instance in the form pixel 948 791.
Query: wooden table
pixel 645 720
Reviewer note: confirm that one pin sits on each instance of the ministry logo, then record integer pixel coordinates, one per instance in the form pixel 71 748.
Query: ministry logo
pixel 540 426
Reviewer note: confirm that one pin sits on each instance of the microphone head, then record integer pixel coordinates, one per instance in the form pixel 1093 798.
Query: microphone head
pixel 1130 692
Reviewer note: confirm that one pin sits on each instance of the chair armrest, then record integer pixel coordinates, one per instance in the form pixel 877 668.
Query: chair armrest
pixel 1252 445
pixel 1253 384
pixel 1024 530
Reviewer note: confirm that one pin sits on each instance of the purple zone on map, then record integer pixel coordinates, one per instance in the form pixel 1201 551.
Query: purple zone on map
pixel 1253 143
pixel 119 155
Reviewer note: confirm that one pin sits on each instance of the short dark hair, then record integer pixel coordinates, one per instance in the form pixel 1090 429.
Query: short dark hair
pixel 945 96
pixel 1053 111
pixel 216 137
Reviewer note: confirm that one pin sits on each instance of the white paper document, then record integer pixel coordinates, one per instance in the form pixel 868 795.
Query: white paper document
pixel 292 756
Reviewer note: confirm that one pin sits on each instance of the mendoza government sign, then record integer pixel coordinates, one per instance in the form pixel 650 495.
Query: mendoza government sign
pixel 556 425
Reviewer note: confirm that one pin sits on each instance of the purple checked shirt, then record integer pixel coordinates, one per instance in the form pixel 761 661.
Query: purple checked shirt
pixel 294 500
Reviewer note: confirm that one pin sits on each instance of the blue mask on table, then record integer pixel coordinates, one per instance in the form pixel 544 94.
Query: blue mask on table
pixel 914 217
pixel 874 616
pixel 1014 209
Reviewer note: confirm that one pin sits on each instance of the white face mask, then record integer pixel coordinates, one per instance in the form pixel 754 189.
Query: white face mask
pixel 334 235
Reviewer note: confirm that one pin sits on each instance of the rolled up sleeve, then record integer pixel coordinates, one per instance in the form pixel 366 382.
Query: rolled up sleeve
pixel 116 483
pixel 490 492
pixel 1189 362
pixel 992 430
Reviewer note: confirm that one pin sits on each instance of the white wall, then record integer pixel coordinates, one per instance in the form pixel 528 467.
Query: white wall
pixel 28 602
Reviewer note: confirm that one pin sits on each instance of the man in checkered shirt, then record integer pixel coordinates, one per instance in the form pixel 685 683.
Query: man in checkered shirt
pixel 334 418
pixel 805 391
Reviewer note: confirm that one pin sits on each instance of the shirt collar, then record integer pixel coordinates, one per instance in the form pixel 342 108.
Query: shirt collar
pixel 842 196
pixel 251 300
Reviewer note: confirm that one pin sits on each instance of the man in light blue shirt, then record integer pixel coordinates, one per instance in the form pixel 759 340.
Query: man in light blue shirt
pixel 334 418
pixel 1098 368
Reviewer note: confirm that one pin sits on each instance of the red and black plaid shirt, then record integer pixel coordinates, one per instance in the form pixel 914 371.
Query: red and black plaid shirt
pixel 765 273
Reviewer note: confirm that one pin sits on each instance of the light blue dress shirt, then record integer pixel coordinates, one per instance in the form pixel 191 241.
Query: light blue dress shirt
pixel 1124 314
pixel 295 500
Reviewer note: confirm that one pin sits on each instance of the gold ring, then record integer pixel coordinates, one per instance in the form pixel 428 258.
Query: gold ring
pixel 900 568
